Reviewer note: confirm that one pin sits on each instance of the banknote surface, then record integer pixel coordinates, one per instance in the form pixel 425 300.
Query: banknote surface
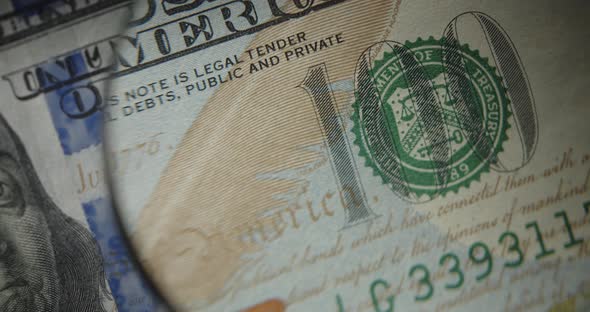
pixel 60 245
pixel 347 155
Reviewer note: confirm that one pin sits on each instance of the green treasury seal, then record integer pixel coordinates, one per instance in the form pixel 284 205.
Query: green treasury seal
pixel 405 131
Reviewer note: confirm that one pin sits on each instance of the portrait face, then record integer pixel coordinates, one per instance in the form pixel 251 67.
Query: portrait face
pixel 28 275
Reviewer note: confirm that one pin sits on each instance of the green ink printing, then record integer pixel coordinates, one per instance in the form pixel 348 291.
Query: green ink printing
pixel 405 131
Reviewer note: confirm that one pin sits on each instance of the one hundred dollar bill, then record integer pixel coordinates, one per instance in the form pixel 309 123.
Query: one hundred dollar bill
pixel 60 245
pixel 348 155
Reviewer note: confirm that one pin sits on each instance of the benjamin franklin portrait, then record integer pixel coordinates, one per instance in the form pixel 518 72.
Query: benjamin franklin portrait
pixel 48 261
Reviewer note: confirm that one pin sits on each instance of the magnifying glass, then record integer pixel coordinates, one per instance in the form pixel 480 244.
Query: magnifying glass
pixel 331 155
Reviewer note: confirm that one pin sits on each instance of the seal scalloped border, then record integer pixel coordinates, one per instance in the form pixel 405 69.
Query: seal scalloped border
pixel 364 153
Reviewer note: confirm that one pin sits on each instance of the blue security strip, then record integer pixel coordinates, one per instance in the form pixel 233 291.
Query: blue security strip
pixel 130 292
pixel 74 109
pixel 78 120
